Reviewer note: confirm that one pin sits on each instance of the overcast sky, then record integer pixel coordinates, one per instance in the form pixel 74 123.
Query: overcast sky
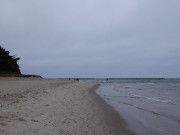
pixel 93 38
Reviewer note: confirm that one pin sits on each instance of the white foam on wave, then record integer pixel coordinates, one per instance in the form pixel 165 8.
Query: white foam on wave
pixel 168 101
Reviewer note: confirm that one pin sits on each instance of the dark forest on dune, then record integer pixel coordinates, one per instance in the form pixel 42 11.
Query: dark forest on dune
pixel 8 64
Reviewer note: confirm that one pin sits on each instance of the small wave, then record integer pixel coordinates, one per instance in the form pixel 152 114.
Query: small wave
pixel 162 130
pixel 137 96
pixel 168 101
pixel 155 113
pixel 125 103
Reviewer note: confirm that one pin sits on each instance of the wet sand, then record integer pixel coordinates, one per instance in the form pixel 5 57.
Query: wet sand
pixel 55 107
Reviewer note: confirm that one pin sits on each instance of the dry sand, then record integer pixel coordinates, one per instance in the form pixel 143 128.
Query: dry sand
pixel 55 107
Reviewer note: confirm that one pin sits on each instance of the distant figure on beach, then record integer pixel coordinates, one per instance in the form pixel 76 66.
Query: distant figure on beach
pixel 77 79
pixel 107 79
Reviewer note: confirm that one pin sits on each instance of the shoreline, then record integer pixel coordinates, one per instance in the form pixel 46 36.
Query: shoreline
pixel 113 118
pixel 63 107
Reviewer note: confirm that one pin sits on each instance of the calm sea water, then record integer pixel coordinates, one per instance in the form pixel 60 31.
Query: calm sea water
pixel 150 106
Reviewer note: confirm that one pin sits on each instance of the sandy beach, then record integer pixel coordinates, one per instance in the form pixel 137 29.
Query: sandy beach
pixel 55 107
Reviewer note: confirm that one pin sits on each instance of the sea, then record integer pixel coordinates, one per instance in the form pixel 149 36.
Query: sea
pixel 150 106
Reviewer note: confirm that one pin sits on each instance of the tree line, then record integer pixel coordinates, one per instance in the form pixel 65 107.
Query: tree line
pixel 8 64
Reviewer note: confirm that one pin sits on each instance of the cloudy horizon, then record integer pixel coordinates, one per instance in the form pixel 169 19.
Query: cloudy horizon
pixel 79 38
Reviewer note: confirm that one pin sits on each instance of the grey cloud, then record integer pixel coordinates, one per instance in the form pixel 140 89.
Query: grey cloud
pixel 78 38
